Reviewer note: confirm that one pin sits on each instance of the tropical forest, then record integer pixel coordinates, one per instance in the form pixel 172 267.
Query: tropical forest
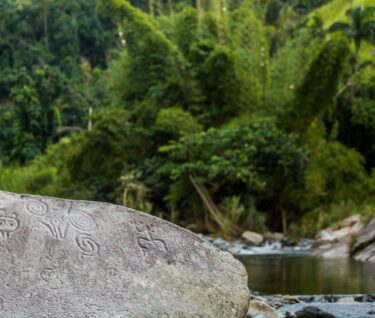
pixel 216 115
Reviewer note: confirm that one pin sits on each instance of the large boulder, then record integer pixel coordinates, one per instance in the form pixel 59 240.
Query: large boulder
pixel 63 258
pixel 340 231
pixel 335 241
pixel 364 247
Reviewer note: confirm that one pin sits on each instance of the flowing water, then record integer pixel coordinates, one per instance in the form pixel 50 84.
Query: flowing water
pixel 298 274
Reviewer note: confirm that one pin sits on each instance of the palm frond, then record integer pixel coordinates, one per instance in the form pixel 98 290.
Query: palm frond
pixel 368 13
pixel 339 26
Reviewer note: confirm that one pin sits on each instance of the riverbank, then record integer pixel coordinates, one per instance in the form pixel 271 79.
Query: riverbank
pixel 352 237
pixel 313 306
pixel 326 269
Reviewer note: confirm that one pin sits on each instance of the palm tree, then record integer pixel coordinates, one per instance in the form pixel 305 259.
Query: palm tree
pixel 361 25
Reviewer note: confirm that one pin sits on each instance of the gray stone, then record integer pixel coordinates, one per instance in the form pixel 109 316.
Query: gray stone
pixel 252 238
pixel 336 241
pixel 274 236
pixel 367 254
pixel 345 300
pixel 339 310
pixel 75 259
pixel 340 249
pixel 258 307
pixel 221 244
pixel 364 247
pixel 313 312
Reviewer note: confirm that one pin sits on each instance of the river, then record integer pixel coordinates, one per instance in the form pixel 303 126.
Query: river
pixel 297 274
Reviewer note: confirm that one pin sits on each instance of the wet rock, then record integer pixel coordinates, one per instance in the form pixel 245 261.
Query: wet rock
pixel 236 248
pixel 289 242
pixel 306 243
pixel 221 243
pixel 274 236
pixel 339 310
pixel 252 238
pixel 335 241
pixel 340 249
pixel 64 258
pixel 367 254
pixel 349 221
pixel 327 236
pixel 260 308
pixel 364 246
pixel 291 299
pixel 340 230
pixel 346 300
pixel 366 298
pixel 313 312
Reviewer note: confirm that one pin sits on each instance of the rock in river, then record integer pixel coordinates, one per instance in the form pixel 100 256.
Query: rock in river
pixel 63 258
pixel 313 312
pixel 364 246
pixel 252 238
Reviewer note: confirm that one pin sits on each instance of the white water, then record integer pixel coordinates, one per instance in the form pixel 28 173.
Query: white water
pixel 269 248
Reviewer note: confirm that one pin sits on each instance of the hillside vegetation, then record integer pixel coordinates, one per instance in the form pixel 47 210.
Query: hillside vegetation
pixel 216 115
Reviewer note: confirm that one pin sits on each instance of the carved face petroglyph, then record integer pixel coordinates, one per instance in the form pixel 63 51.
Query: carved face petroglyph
pixel 7 225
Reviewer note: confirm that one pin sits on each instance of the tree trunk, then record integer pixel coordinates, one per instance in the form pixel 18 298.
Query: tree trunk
pixel 151 7
pixel 170 5
pixel 208 202
pixel 45 24
pixel 284 221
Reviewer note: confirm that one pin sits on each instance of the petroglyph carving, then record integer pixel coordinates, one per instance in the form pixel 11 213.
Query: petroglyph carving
pixel 57 252
pixel 87 244
pixel 53 276
pixel 148 239
pixel 58 228
pixel 8 225
pixel 82 221
pixel 37 208
pixel 152 243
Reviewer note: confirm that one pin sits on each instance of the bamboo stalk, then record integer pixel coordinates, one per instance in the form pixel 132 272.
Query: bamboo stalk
pixel 208 202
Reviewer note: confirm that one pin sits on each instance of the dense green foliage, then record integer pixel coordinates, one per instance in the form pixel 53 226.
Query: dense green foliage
pixel 217 115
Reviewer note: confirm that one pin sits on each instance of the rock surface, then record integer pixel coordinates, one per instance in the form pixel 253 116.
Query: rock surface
pixel 350 310
pixel 252 238
pixel 335 241
pixel 339 249
pixel 258 307
pixel 62 258
pixel 364 246
pixel 313 312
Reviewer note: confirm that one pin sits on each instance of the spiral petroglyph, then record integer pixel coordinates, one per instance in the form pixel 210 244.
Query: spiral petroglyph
pixel 37 208
pixel 82 221
pixel 87 244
